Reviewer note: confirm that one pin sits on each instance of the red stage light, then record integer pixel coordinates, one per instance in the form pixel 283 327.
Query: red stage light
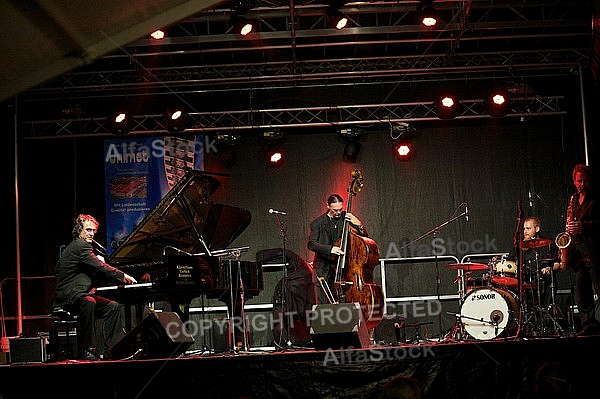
pixel 446 107
pixel 275 157
pixel 404 151
pixel 497 104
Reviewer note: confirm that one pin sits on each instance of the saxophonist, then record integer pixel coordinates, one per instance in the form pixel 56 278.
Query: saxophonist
pixel 583 224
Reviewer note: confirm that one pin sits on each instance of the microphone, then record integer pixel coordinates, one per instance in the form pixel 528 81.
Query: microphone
pixel 277 212
pixel 530 200
pixel 467 211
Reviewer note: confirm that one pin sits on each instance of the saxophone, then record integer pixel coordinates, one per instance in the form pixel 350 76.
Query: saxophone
pixel 563 240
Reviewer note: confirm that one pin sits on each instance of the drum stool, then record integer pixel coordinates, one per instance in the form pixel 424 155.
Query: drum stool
pixel 65 321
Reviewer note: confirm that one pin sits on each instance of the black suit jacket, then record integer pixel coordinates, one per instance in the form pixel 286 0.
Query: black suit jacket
pixel 77 269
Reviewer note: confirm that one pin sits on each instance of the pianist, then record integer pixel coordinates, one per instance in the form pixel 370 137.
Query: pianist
pixel 78 268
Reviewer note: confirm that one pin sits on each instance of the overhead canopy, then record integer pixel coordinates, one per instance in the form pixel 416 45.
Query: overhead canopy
pixel 45 38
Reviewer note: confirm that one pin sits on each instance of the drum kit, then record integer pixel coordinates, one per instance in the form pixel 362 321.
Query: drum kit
pixel 496 305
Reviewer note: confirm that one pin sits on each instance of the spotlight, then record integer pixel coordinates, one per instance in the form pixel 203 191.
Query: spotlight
pixel 404 150
pixel 497 103
pixel 352 151
pixel 120 122
pixel 352 148
pixel 158 34
pixel 242 25
pixel 336 18
pixel 274 157
pixel 429 17
pixel 427 13
pixel 174 119
pixel 446 107
pixel 227 153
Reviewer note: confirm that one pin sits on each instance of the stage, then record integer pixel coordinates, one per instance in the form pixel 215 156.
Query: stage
pixel 497 368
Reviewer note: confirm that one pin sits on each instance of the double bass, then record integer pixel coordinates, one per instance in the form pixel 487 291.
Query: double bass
pixel 354 269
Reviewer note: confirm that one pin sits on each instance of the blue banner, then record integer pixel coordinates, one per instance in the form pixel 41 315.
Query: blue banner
pixel 139 173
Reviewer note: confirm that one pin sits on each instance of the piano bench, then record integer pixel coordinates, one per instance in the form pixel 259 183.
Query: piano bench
pixel 63 322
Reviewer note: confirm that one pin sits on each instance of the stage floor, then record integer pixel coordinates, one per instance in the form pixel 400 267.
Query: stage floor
pixel 497 368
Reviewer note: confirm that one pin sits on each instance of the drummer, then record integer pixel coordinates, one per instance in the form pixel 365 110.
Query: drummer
pixel 537 253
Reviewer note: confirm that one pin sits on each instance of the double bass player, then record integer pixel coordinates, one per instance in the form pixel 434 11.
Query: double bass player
pixel 325 231
pixel 344 260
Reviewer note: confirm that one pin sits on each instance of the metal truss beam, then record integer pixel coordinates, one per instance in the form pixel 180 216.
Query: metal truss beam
pixel 248 122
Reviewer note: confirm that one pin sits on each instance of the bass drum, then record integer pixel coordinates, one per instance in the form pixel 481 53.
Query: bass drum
pixel 490 312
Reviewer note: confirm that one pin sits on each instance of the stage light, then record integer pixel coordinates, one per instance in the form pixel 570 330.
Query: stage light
pixel 404 150
pixel 497 103
pixel 446 106
pixel 243 25
pixel 158 34
pixel 427 14
pixel 352 150
pixel 274 157
pixel 174 119
pixel 226 149
pixel 120 122
pixel 336 18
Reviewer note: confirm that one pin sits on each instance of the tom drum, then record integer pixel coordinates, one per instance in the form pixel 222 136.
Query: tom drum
pixel 489 312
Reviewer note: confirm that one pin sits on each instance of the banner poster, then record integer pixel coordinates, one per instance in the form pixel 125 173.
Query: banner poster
pixel 139 173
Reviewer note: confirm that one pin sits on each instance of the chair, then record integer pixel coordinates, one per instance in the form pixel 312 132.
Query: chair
pixel 63 321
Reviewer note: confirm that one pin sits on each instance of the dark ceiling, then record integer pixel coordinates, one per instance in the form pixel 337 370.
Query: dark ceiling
pixel 297 71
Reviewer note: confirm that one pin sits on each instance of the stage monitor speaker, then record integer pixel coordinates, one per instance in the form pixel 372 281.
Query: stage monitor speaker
pixel 158 335
pixel 338 326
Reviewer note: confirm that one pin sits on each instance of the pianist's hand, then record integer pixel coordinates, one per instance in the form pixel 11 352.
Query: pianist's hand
pixel 128 279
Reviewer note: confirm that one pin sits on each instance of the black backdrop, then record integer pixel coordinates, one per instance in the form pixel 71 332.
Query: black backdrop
pixel 489 164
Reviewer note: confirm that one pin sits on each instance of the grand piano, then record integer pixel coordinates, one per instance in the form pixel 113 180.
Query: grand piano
pixel 180 251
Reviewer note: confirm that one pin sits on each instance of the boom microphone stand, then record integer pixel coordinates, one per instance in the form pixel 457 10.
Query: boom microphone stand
pixel 284 282
pixel 435 231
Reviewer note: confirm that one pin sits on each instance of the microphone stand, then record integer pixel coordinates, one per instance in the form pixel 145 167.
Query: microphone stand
pixel 517 238
pixel 284 281
pixel 435 231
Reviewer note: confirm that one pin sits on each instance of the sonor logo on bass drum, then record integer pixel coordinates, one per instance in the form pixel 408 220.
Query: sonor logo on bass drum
pixel 484 297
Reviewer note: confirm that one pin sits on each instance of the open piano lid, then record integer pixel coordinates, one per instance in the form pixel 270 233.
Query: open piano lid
pixel 184 219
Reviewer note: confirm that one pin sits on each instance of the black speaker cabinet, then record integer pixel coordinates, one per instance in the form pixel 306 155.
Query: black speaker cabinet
pixel 158 335
pixel 27 350
pixel 338 326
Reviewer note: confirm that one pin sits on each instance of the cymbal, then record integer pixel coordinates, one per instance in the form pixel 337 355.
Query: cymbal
pixel 467 266
pixel 535 243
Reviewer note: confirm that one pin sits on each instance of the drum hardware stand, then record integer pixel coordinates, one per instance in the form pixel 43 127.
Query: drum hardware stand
pixel 553 310
pixel 541 314
pixel 417 326
pixel 457 332
pixel 517 250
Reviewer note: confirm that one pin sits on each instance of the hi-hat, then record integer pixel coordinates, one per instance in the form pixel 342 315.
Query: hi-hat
pixel 535 243
pixel 467 266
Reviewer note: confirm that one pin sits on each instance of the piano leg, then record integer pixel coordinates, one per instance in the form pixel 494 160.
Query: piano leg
pixel 238 332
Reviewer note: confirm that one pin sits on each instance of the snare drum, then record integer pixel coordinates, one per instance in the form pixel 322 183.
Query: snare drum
pixel 505 272
pixel 489 312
